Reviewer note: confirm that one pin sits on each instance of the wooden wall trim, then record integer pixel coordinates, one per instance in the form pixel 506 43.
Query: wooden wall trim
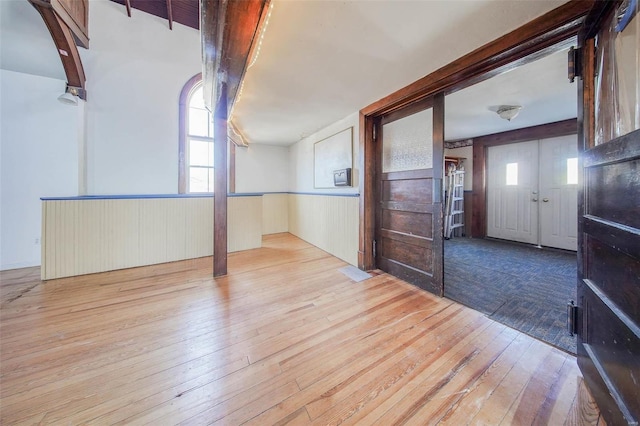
pixel 545 31
pixel 510 50
pixel 67 50
pixel 366 260
pixel 480 146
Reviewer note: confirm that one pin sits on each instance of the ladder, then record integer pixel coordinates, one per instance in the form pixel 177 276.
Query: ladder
pixel 454 206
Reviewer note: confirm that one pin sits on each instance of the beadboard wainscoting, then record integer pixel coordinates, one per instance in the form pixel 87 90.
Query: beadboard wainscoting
pixel 87 234
pixel 329 222
pixel 275 213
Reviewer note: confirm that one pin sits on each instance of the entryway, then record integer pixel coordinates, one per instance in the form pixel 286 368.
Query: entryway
pixel 532 192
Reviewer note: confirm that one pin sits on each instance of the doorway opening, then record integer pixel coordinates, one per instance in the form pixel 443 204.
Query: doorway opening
pixel 520 198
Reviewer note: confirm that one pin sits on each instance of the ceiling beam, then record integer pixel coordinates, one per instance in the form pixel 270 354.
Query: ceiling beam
pixel 64 41
pixel 230 30
pixel 170 14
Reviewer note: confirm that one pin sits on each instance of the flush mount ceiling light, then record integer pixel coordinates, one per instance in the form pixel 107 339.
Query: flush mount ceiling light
pixel 70 96
pixel 509 112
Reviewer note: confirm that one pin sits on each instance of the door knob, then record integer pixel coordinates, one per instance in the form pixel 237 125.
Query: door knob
pixel 546 200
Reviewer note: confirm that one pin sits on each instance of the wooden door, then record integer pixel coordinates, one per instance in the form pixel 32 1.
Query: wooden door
pixel 512 192
pixel 558 190
pixel 410 155
pixel 609 220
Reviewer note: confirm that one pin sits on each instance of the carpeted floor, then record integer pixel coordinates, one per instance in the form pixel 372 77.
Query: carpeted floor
pixel 524 287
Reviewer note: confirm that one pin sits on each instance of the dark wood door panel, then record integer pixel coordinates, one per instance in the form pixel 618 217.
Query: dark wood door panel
pixel 415 256
pixel 611 201
pixel 613 349
pixel 407 238
pixel 617 275
pixel 412 276
pixel 417 191
pixel 418 224
pixel 609 278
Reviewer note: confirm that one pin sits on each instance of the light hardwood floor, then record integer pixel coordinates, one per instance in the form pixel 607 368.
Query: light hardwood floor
pixel 285 338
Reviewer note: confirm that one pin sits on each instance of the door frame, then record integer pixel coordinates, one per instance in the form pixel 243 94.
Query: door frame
pixel 544 35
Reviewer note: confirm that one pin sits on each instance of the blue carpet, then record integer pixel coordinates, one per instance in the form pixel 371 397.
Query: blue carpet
pixel 524 287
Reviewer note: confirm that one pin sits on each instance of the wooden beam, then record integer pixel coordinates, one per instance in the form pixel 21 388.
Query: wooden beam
pixel 67 50
pixel 220 144
pixel 229 32
pixel 74 13
pixel 169 14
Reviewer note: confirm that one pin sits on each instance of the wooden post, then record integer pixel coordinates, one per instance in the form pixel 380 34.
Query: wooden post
pixel 220 182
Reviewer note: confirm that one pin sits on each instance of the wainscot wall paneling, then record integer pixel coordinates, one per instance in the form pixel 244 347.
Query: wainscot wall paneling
pixel 275 213
pixel 329 222
pixel 244 220
pixel 84 235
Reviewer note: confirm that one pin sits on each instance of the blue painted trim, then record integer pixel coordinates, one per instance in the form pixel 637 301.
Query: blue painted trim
pixel 125 197
pixel 327 194
pixel 155 196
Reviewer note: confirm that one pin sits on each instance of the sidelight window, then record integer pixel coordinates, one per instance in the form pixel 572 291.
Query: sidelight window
pixel 512 173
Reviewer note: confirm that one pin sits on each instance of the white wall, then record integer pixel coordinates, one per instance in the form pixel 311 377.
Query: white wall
pixel 135 70
pixel 465 152
pixel 262 168
pixel 39 157
pixel 301 158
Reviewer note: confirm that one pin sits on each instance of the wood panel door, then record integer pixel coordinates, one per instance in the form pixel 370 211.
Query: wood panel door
pixel 512 192
pixel 410 157
pixel 609 219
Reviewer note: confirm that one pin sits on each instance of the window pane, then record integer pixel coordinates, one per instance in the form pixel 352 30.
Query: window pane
pixel 512 173
pixel 198 122
pixel 210 180
pixel 572 171
pixel 200 153
pixel 198 179
pixel 197 100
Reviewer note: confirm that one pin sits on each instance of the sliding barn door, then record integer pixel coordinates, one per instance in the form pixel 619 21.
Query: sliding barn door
pixel 409 235
pixel 609 214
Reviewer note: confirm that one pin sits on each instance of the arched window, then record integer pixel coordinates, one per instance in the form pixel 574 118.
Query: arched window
pixel 196 140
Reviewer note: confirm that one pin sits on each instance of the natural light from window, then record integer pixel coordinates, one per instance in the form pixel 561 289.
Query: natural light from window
pixel 572 171
pixel 199 144
pixel 512 173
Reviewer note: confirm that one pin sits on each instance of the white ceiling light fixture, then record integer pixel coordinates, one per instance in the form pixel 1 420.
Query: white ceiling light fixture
pixel 70 96
pixel 509 112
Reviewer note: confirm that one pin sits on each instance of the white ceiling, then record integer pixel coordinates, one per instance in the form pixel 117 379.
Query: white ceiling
pixel 541 88
pixel 323 60
pixel 25 43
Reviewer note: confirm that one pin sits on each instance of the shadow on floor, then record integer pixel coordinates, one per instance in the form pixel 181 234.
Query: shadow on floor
pixel 524 287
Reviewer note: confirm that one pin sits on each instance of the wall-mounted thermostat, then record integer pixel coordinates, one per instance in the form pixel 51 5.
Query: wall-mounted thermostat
pixel 342 177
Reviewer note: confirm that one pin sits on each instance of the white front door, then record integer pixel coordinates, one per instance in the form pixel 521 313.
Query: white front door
pixel 512 192
pixel 559 192
pixel 532 192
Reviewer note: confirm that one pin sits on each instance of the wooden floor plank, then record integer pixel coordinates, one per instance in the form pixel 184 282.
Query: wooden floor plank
pixel 285 338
